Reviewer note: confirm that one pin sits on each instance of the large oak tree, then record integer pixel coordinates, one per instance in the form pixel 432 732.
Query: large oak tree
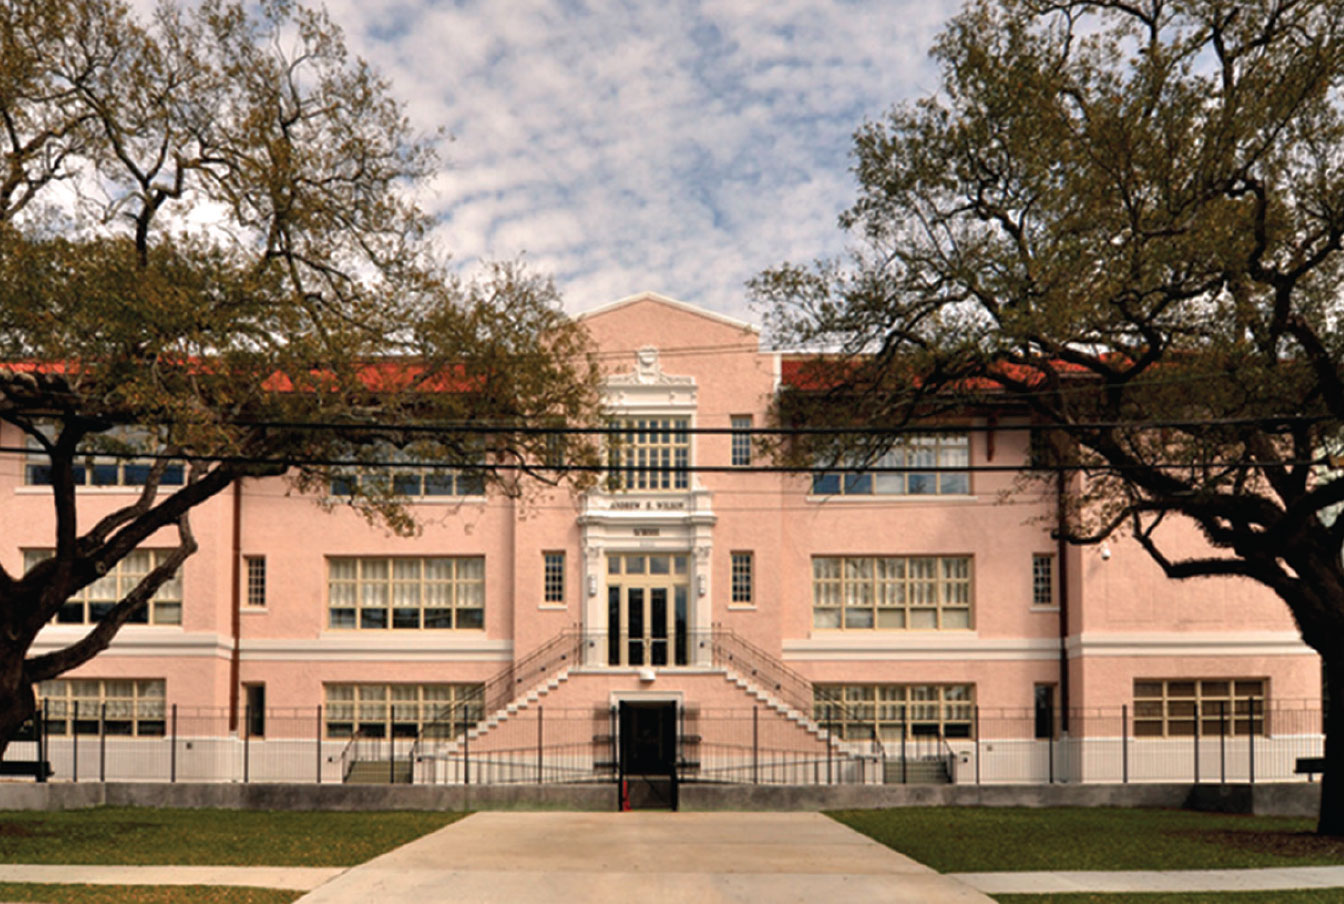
pixel 209 245
pixel 1125 216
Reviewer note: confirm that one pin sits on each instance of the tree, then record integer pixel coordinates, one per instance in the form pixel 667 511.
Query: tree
pixel 1125 216
pixel 210 259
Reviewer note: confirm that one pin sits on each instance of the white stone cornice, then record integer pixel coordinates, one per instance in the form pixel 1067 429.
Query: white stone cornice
pixel 138 640
pixel 1189 643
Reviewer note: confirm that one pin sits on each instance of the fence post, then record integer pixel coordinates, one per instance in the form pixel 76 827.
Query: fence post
pixel 755 746
pixel 318 745
pixel 74 739
pixel 1250 740
pixel 975 714
pixel 172 750
pixel 102 742
pixel 466 756
pixel 830 734
pixel 1124 743
pixel 391 758
pixel 40 730
pixel 247 743
pixel 905 730
pixel 539 744
pixel 1222 742
pixel 1196 740
pixel 1050 752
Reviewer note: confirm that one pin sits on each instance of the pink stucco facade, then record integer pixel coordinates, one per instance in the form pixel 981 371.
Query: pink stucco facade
pixel 672 363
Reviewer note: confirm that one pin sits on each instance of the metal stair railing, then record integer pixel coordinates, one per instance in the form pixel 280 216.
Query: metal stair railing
pixel 560 652
pixel 753 664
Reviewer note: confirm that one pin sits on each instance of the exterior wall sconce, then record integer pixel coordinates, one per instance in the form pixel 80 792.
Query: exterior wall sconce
pixel 592 585
pixel 700 585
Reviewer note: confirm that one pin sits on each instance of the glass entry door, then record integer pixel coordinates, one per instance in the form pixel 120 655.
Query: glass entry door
pixel 646 609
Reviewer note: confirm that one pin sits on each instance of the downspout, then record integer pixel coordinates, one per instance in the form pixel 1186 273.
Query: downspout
pixel 235 601
pixel 1061 536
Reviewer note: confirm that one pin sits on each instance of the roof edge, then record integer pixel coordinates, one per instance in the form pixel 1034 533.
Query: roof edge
pixel 671 302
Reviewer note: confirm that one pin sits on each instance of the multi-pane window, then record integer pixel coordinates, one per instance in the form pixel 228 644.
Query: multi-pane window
pixel 741 449
pixel 909 455
pixel 106 470
pixel 91 603
pixel 406 592
pixel 401 710
pixel 651 453
pixel 742 578
pixel 553 578
pixel 419 482
pixel 1180 707
pixel 123 706
pixel 888 712
pixel 1043 580
pixel 256 580
pixel 917 592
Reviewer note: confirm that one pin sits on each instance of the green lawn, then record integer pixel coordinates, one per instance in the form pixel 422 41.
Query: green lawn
pixel 127 835
pixel 1314 896
pixel 143 894
pixel 967 839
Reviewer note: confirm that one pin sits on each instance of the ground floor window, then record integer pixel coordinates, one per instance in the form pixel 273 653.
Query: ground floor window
pixel 1180 707
pixel 401 710
pixel 123 706
pixel 888 712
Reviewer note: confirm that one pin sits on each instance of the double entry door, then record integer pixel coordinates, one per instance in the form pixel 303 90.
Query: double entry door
pixel 647 598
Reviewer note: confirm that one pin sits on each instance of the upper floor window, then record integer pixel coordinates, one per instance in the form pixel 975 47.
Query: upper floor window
pixel 256 580
pixel 741 448
pixel 418 482
pixel 92 603
pixel 1043 580
pixel 920 592
pixel 652 453
pixel 553 579
pixel 380 592
pixel 742 591
pixel 105 470
pixel 909 454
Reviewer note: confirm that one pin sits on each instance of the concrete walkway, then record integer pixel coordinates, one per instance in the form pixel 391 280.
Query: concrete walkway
pixel 297 878
pixel 760 858
pixel 1274 879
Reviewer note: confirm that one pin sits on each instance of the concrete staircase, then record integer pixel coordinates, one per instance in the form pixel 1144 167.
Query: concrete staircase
pixel 379 772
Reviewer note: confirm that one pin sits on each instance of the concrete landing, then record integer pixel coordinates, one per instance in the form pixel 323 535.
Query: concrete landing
pixel 599 857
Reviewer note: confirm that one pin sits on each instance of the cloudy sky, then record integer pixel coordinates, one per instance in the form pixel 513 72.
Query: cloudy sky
pixel 678 146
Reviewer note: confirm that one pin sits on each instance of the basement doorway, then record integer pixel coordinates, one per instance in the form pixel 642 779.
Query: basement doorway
pixel 648 754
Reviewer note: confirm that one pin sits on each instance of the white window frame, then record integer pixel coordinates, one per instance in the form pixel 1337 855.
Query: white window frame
pixel 100 471
pixel 553 578
pixel 164 608
pixel 649 453
pixel 399 710
pixel 1165 707
pixel 136 707
pixel 940 450
pixel 740 449
pixel 883 712
pixel 440 601
pixel 1044 582
pixel 898 593
pixel 742 579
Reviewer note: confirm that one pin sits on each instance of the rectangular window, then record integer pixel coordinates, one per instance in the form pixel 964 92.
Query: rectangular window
pixel 89 605
pixel 742 578
pixel 741 450
pixel 1180 707
pixel 649 453
pixel 907 456
pixel 1043 580
pixel 125 706
pixel 401 710
pixel 380 592
pixel 904 592
pixel 107 469
pixel 256 580
pixel 420 482
pixel 554 577
pixel 887 712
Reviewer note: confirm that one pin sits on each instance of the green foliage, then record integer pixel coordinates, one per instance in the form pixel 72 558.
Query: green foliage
pixel 129 835
pixel 144 894
pixel 1279 896
pixel 208 232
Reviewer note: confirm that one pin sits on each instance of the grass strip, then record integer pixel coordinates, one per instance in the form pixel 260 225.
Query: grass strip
pixel 970 839
pixel 148 836
pixel 143 894
pixel 1304 896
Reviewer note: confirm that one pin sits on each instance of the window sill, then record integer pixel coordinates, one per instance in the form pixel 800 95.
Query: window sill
pixel 254 610
pixel 891 497
pixel 1043 609
pixel 130 489
pixel 554 607
pixel 741 607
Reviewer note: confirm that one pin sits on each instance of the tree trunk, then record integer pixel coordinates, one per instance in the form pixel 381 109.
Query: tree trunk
pixel 1331 818
pixel 17 702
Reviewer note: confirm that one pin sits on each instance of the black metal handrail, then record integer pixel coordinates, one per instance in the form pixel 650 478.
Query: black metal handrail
pixel 750 662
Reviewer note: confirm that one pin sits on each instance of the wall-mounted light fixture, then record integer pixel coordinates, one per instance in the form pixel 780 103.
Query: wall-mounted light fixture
pixel 592 585
pixel 701 585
